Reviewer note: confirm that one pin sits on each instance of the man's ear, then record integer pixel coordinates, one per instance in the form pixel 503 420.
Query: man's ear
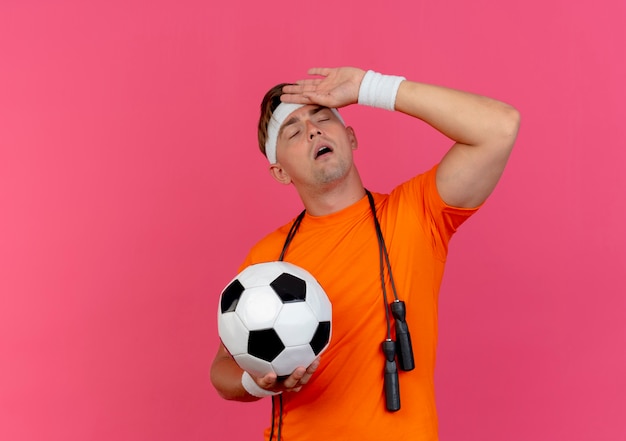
pixel 354 143
pixel 280 174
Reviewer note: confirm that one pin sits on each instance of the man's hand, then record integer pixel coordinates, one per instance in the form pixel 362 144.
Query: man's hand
pixel 298 378
pixel 339 87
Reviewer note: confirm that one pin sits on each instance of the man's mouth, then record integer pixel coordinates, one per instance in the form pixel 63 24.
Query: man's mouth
pixel 322 151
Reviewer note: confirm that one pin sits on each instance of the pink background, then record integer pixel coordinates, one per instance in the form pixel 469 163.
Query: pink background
pixel 131 189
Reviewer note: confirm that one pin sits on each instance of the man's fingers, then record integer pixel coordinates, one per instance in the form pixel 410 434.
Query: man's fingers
pixel 301 376
pixel 309 84
pixel 294 99
pixel 302 86
pixel 268 381
pixel 294 379
pixel 323 71
pixel 309 371
pixel 313 366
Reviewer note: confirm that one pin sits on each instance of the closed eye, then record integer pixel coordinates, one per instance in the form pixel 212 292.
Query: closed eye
pixel 324 114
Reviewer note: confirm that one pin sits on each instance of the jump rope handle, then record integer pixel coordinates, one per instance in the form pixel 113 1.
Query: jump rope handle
pixel 403 337
pixel 392 385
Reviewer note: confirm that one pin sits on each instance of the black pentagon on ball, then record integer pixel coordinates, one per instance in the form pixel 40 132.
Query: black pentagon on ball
pixel 289 288
pixel 265 344
pixel 231 295
pixel 321 337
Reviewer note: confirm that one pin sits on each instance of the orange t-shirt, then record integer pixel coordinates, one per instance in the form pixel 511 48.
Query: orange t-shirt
pixel 345 398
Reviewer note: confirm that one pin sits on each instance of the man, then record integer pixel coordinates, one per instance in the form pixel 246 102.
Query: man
pixel 352 240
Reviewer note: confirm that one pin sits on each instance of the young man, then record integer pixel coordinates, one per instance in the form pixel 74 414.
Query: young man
pixel 351 239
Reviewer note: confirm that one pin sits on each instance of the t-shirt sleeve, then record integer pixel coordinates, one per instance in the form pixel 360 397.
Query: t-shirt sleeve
pixel 419 199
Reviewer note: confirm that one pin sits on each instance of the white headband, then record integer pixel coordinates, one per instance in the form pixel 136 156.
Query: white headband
pixel 279 116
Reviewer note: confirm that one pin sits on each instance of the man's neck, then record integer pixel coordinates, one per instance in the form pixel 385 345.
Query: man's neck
pixel 334 197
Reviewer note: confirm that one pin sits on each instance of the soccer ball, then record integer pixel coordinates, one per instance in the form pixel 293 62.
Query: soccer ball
pixel 274 317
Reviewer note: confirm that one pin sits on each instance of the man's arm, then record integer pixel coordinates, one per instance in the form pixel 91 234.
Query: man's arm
pixel 483 129
pixel 226 377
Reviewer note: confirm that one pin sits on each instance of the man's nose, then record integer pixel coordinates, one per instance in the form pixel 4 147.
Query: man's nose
pixel 313 130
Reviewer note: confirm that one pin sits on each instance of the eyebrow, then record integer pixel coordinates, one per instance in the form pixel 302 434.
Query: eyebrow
pixel 294 119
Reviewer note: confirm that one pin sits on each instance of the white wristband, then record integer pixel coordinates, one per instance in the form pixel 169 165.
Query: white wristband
pixel 254 389
pixel 378 90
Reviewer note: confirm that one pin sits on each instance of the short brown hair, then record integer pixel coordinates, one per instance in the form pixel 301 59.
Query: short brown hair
pixel 270 102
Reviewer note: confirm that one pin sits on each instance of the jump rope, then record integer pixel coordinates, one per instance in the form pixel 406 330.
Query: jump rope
pixel 401 347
